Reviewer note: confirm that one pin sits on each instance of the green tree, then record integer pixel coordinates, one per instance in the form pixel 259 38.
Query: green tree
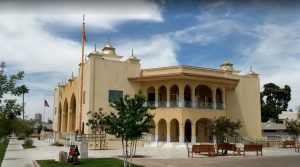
pixel 293 128
pixel 9 109
pixel 274 100
pixel 223 127
pixel 22 90
pixel 129 121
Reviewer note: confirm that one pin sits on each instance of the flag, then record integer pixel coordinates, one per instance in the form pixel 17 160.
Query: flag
pixel 46 104
pixel 83 30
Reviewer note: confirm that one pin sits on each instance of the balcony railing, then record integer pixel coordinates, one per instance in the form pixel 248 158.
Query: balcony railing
pixel 187 104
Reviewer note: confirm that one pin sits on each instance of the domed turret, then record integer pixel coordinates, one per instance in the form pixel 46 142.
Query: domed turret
pixel 251 72
pixel 94 52
pixel 227 66
pixel 132 58
pixel 109 52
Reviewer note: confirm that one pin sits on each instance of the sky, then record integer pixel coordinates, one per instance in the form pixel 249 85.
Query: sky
pixel 43 38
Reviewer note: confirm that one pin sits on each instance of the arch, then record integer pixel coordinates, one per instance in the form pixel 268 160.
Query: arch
pixel 174 130
pixel 162 95
pixel 187 96
pixel 152 130
pixel 219 100
pixel 188 130
pixel 151 96
pixel 203 130
pixel 203 96
pixel 65 117
pixel 72 114
pixel 59 122
pixel 174 96
pixel 162 130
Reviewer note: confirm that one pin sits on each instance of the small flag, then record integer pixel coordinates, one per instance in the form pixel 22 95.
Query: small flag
pixel 46 104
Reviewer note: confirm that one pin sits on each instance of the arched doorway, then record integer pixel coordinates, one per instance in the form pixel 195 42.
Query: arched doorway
pixel 203 130
pixel 219 101
pixel 162 94
pixel 174 130
pixel 188 131
pixel 152 131
pixel 162 130
pixel 174 96
pixel 203 96
pixel 65 116
pixel 72 114
pixel 151 96
pixel 187 96
pixel 59 117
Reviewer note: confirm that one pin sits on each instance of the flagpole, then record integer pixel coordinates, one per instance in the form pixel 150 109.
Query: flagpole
pixel 83 38
pixel 43 117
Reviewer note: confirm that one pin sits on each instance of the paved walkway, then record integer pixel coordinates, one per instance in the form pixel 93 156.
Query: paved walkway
pixel 16 156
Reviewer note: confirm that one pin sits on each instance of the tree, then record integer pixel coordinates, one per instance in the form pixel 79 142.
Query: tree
pixel 293 128
pixel 224 127
pixel 9 109
pixel 274 100
pixel 21 90
pixel 97 122
pixel 129 122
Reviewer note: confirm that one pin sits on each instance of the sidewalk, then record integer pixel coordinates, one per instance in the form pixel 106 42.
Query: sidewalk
pixel 15 155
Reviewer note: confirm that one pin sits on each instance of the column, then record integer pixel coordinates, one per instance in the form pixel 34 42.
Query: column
pixel 181 96
pixel 156 96
pixel 193 96
pixel 224 98
pixel 168 132
pixel 214 97
pixel 193 134
pixel 156 133
pixel 181 133
pixel 168 96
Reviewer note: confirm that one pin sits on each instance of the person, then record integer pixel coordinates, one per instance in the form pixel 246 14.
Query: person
pixel 73 154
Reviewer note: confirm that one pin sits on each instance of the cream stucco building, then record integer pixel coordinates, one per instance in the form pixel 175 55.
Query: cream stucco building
pixel 186 97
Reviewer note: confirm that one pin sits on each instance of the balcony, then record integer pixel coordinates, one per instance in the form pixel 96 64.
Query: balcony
pixel 187 104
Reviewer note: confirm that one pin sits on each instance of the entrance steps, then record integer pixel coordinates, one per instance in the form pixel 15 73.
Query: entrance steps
pixel 166 145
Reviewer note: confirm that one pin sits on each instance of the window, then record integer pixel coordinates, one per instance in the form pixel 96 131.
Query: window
pixel 114 95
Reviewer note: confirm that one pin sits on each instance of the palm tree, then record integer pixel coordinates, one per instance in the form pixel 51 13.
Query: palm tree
pixel 21 90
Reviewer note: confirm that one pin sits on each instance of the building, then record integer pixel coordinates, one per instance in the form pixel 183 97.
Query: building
pixel 38 117
pixel 186 97
pixel 274 131
pixel 287 116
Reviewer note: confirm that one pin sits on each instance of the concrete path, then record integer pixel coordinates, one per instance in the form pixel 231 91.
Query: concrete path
pixel 15 155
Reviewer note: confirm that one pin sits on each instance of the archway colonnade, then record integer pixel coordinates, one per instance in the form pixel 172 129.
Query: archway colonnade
pixel 67 116
pixel 187 131
pixel 190 96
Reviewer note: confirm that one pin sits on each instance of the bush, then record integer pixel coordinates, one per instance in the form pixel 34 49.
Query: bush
pixel 21 137
pixel 28 142
pixel 57 144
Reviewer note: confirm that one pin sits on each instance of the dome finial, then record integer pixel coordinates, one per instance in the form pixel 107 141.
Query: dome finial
pixel 95 47
pixel 131 52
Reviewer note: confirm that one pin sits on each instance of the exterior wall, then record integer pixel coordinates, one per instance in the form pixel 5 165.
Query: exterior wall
pixel 243 103
pixel 111 75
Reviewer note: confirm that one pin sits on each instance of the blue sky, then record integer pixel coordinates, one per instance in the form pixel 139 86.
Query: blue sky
pixel 44 38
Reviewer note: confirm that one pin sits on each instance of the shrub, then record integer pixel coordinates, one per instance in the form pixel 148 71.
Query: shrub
pixel 21 137
pixel 57 144
pixel 28 142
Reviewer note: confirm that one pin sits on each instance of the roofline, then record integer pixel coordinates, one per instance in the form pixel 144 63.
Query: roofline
pixel 184 66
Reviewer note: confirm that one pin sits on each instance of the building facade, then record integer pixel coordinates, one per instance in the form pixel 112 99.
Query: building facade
pixel 186 98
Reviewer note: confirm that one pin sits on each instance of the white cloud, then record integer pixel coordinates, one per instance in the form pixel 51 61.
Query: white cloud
pixel 158 51
pixel 206 33
pixel 276 56
pixel 27 44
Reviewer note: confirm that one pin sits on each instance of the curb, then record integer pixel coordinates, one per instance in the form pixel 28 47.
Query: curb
pixel 35 163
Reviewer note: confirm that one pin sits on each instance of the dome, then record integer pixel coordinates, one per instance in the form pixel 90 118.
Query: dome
pixel 109 50
pixel 251 72
pixel 94 52
pixel 227 66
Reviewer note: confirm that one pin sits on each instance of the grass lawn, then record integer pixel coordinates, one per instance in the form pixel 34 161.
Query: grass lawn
pixel 89 162
pixel 3 147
